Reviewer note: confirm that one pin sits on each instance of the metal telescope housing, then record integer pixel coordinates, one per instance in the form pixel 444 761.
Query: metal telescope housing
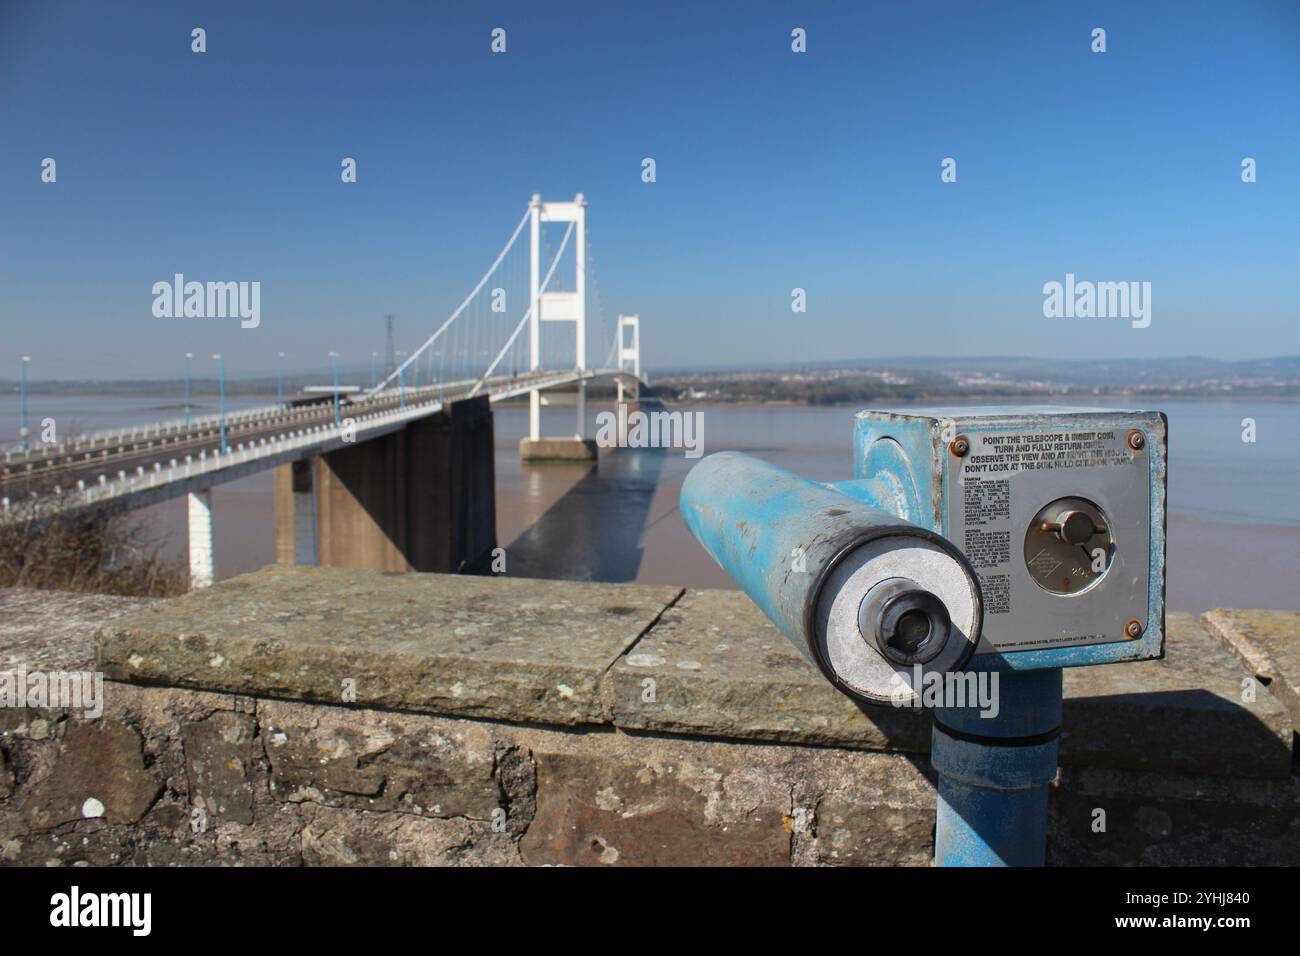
pixel 997 542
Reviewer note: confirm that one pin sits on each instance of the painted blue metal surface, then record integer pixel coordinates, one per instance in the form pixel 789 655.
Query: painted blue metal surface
pixel 901 453
pixel 994 774
pixel 775 533
pixel 871 492
pixel 985 827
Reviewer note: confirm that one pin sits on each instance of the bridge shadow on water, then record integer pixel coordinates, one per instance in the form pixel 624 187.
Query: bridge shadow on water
pixel 593 533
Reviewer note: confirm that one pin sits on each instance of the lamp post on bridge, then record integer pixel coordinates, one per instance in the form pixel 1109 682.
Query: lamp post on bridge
pixel 334 363
pixel 374 357
pixel 22 404
pixel 401 380
pixel 221 379
pixel 188 357
pixel 279 379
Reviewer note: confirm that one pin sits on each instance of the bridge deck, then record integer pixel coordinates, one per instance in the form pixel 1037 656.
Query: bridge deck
pixel 141 466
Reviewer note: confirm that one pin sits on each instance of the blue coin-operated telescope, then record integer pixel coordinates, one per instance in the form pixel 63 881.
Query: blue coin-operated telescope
pixel 993 545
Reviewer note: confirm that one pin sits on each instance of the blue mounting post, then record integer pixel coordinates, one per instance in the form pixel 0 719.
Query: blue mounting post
pixel 994 774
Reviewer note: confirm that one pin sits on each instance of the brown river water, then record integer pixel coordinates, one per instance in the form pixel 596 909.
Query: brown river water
pixel 1234 523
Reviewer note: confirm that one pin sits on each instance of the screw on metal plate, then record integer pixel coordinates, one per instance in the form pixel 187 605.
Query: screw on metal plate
pixel 1133 629
pixel 1136 439
pixel 959 446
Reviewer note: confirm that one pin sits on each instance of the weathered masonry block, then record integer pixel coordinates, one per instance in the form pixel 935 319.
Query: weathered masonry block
pixel 331 717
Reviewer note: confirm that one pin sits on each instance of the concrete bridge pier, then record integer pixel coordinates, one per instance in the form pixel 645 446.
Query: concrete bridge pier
pixel 295 531
pixel 418 499
pixel 557 449
pixel 202 559
pixel 533 448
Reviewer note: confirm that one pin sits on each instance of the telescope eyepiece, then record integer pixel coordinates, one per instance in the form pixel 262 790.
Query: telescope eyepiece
pixel 904 622
pixel 911 632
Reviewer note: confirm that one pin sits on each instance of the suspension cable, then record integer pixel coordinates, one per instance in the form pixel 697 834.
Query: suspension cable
pixel 600 304
pixel 469 298
pixel 527 315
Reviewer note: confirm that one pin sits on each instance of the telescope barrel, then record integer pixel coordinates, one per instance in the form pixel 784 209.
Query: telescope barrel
pixel 874 601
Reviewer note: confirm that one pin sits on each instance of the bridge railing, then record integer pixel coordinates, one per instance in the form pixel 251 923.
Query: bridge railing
pixel 422 401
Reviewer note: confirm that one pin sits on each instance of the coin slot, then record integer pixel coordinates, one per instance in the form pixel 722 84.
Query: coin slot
pixel 1068 546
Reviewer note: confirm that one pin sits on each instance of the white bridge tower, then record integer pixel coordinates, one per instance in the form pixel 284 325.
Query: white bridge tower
pixel 557 306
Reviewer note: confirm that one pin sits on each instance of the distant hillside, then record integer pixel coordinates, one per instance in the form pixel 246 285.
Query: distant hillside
pixel 906 377
pixel 1090 373
pixel 907 380
pixel 1105 372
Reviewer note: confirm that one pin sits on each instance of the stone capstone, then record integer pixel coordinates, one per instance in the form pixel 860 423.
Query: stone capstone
pixel 715 665
pixel 1268 644
pixel 500 648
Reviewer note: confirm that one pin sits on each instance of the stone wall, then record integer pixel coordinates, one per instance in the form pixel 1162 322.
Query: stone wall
pixel 325 717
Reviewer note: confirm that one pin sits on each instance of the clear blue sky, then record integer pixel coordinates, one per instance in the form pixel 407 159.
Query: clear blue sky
pixel 775 170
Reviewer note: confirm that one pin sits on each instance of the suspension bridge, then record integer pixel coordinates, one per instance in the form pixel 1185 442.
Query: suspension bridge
pixel 398 476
